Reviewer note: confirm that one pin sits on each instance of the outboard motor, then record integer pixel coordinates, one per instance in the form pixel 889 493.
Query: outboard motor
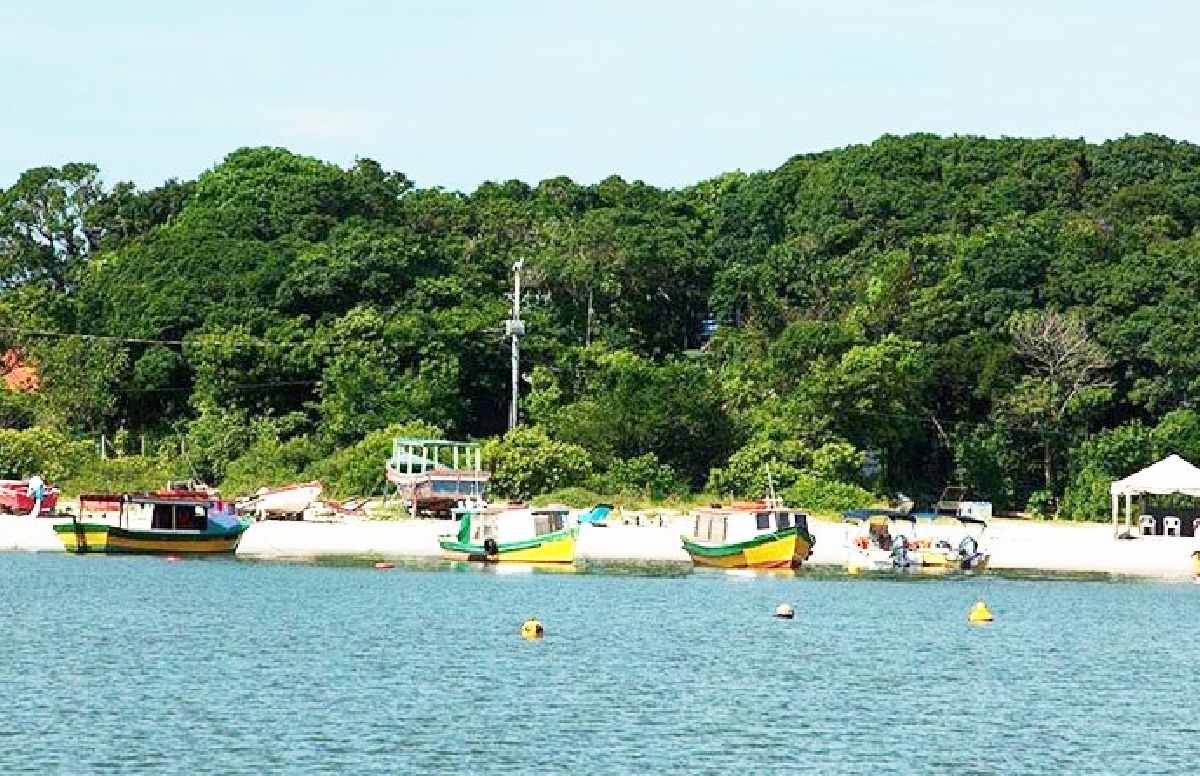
pixel 968 551
pixel 900 555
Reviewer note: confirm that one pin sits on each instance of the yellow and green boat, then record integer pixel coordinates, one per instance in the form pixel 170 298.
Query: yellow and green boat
pixel 757 535
pixel 164 523
pixel 512 533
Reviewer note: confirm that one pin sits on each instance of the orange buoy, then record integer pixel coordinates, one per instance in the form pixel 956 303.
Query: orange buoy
pixel 385 564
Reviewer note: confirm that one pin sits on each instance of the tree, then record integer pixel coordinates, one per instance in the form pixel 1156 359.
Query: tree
pixel 46 224
pixel 1066 375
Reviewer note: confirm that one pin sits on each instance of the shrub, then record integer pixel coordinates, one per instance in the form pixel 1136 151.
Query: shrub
pixel 526 462
pixel 1087 496
pixel 40 450
pixel 357 470
pixel 269 462
pixel 746 472
pixel 809 492
pixel 124 474
pixel 641 476
pixel 580 498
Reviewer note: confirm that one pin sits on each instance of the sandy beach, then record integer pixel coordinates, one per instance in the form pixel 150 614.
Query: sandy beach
pixel 1013 544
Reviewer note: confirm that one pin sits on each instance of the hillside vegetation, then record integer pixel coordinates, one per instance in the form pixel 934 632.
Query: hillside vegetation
pixel 1020 313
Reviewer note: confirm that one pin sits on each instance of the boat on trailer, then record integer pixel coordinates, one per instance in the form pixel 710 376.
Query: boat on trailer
pixel 432 476
pixel 168 522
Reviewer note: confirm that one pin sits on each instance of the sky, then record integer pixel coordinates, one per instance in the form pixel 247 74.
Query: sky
pixel 457 92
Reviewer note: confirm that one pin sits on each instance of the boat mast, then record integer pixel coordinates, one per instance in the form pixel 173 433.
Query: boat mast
pixel 515 328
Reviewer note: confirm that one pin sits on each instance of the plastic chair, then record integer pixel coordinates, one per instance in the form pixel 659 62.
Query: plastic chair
pixel 1171 526
pixel 1146 525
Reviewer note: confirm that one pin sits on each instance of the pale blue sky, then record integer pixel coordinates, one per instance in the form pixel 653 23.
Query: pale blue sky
pixel 455 92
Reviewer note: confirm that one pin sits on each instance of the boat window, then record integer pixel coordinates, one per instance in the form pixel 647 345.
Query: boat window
pixel 547 522
pixel 710 528
pixel 783 521
pixel 177 517
pixel 802 522
pixel 762 521
pixel 715 529
pixel 482 528
pixel 162 518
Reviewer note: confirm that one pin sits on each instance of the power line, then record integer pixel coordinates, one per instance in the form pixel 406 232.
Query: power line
pixel 252 343
pixel 186 388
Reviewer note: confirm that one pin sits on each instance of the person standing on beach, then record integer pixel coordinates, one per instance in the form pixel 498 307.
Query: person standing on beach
pixel 37 490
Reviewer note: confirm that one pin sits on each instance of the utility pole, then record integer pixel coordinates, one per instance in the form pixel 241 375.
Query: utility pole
pixel 515 328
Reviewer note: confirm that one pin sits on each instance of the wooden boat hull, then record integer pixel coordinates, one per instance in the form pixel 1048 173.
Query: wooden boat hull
pixel 558 547
pixel 112 540
pixel 786 549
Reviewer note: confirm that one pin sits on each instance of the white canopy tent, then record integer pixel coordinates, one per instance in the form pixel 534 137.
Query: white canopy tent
pixel 1170 475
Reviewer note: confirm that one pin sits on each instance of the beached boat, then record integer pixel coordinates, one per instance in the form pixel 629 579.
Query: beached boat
pixel 755 535
pixel 511 533
pixel 880 540
pixel 287 501
pixel 164 523
pixel 16 499
pixel 889 540
pixel 432 476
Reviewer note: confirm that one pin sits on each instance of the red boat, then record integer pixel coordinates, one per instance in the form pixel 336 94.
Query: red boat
pixel 15 498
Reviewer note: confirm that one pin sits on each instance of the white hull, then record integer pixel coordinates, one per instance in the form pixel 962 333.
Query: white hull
pixel 285 501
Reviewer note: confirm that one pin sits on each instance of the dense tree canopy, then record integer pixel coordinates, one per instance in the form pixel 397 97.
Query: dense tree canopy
pixel 1011 311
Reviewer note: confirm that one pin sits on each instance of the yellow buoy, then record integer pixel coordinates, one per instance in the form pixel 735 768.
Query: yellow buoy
pixel 853 568
pixel 532 629
pixel 979 613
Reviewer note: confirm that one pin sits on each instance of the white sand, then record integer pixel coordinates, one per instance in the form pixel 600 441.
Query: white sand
pixel 1013 544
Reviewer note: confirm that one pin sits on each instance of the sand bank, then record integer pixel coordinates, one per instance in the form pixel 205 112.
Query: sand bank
pixel 1013 544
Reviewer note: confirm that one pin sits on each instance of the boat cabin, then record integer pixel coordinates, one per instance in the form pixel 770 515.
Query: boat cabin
pixel 163 511
pixel 716 525
pixel 514 524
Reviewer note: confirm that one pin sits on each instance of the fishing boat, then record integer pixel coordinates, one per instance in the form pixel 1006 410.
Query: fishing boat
pixel 167 522
pixel 432 476
pixel 16 498
pixel 511 533
pixel 749 535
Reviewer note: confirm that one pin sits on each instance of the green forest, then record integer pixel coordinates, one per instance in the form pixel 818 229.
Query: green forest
pixel 1018 314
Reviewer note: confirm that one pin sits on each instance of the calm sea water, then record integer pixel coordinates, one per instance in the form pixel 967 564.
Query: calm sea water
pixel 225 666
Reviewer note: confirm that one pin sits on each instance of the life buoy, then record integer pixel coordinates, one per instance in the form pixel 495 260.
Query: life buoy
pixel 490 546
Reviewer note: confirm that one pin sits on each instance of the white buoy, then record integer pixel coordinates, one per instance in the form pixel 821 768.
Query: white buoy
pixel 785 611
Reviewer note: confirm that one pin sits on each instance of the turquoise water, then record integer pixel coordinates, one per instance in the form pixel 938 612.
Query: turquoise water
pixel 225 666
